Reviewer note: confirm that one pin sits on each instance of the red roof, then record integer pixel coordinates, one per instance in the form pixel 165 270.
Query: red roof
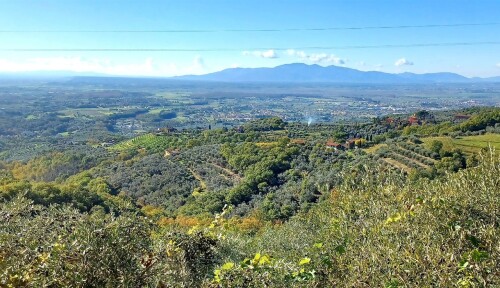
pixel 413 119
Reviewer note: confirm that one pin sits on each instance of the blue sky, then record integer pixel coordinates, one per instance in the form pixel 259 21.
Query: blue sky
pixel 216 15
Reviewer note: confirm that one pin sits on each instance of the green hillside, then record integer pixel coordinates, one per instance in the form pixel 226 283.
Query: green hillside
pixel 376 229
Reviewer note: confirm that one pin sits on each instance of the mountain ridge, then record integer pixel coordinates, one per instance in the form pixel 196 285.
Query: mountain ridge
pixel 300 72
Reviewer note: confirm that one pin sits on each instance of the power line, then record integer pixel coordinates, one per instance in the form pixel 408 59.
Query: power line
pixel 240 49
pixel 254 30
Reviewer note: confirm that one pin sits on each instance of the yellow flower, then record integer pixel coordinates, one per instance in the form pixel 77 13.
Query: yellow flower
pixel 44 257
pixel 305 261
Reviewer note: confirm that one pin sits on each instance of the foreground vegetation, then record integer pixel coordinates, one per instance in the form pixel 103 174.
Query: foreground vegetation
pixel 374 229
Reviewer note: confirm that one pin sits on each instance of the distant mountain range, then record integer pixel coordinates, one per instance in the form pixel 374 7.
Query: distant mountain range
pixel 290 73
pixel 299 72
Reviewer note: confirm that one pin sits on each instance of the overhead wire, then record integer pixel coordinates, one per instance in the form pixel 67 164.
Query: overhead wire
pixel 222 49
pixel 255 30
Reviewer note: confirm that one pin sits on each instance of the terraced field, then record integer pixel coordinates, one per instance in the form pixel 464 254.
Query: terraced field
pixel 403 156
pixel 407 156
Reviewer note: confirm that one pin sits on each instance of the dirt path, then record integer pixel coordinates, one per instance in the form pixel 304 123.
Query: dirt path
pixel 203 185
pixel 231 173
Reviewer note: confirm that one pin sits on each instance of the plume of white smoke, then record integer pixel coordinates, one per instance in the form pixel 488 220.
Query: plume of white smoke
pixel 310 120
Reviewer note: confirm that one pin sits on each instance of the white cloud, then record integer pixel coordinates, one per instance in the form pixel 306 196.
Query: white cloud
pixel 402 62
pixel 316 57
pixel 269 54
pixel 147 67
pixel 498 65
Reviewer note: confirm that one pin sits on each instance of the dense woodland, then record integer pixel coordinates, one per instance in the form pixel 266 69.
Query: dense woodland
pixel 398 201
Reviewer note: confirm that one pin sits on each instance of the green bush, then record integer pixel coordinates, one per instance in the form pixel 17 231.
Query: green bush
pixel 385 230
pixel 59 246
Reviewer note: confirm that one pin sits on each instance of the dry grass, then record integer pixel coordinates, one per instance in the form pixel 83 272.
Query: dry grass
pixel 374 148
